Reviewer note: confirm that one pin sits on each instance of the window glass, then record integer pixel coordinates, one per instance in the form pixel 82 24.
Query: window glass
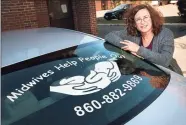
pixel 79 85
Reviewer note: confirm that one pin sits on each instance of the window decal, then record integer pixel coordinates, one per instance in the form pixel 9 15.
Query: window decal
pixel 103 74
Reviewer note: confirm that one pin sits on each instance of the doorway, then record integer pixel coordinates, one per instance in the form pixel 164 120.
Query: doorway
pixel 60 13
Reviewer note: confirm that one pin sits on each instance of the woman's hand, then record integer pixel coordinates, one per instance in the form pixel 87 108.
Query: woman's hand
pixel 130 46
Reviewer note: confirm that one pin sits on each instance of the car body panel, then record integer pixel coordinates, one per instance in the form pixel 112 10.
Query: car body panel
pixel 33 45
pixel 117 13
pixel 168 109
pixel 45 103
pixel 182 7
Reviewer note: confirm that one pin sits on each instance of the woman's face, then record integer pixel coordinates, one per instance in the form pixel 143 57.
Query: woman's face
pixel 143 21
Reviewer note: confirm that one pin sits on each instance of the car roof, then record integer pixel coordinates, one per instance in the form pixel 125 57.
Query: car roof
pixel 20 45
pixel 123 4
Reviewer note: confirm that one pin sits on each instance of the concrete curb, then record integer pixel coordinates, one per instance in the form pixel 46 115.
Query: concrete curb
pixel 173 24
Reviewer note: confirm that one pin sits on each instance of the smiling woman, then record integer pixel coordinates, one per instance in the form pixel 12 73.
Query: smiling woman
pixel 146 36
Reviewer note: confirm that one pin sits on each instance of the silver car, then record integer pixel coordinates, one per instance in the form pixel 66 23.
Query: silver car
pixel 54 76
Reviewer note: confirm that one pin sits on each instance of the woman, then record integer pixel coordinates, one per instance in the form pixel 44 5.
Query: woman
pixel 145 36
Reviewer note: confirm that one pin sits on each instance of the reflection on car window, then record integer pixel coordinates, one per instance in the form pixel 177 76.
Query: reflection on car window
pixel 88 81
pixel 134 65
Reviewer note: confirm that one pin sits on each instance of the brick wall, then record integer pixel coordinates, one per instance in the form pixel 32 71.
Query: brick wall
pixel 42 13
pixel 109 4
pixel 21 14
pixel 84 12
pixel 98 5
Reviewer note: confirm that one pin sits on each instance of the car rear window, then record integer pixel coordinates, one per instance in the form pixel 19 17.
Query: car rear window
pixel 90 84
